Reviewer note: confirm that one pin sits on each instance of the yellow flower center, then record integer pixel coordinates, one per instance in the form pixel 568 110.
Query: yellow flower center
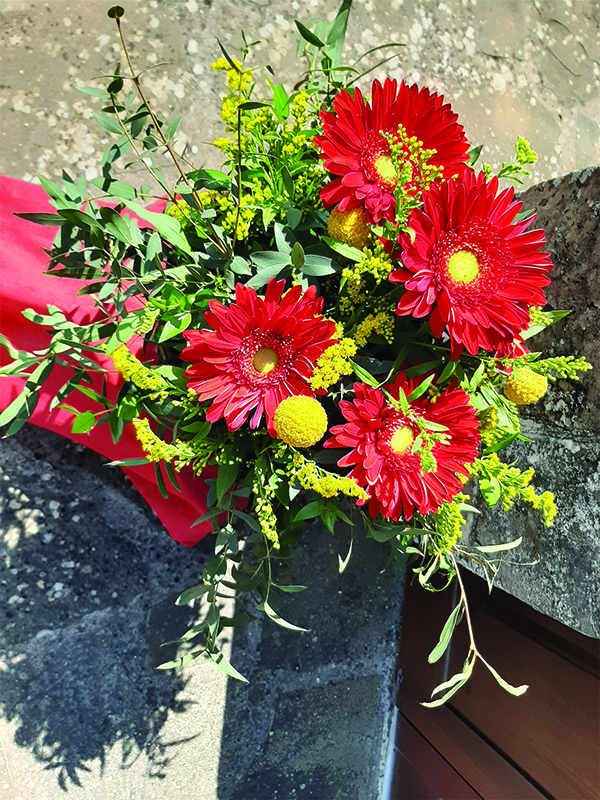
pixel 402 439
pixel 463 267
pixel 300 421
pixel 265 360
pixel 386 169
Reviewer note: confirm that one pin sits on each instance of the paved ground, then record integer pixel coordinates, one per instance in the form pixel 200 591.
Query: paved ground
pixel 87 576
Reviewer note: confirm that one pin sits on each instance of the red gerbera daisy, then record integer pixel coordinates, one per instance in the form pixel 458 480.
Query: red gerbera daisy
pixel 259 353
pixel 355 149
pixel 472 265
pixel 382 439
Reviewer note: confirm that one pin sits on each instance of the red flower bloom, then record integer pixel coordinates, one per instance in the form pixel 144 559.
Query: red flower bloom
pixel 382 438
pixel 472 265
pixel 259 353
pixel 355 149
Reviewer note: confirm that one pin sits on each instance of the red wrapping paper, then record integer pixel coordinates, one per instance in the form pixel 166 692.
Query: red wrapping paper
pixel 23 285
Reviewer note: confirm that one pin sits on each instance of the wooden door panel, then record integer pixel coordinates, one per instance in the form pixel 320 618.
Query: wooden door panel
pixel 543 744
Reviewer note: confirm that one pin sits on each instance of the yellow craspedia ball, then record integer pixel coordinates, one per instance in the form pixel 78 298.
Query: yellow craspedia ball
pixel 349 227
pixel 524 386
pixel 300 421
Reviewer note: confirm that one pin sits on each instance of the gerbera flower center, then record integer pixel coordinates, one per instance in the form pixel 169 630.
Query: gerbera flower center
pixel 402 439
pixel 376 161
pixel 265 360
pixel 463 266
pixel 386 170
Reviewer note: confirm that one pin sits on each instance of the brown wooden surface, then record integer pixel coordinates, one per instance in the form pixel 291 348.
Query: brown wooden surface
pixel 543 744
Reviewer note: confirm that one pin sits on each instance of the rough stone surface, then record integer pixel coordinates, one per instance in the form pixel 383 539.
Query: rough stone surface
pixel 565 425
pixel 508 68
pixel 88 579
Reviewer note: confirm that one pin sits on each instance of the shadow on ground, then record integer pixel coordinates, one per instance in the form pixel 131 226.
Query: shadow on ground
pixel 89 579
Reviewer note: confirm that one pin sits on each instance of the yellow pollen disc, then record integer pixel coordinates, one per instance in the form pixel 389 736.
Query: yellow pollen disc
pixel 265 360
pixel 463 267
pixel 300 421
pixel 402 439
pixel 386 169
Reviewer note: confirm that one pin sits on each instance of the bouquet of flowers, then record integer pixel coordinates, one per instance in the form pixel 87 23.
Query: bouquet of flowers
pixel 342 311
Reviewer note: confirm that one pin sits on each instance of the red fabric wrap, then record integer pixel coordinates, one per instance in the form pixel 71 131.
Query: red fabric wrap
pixel 23 285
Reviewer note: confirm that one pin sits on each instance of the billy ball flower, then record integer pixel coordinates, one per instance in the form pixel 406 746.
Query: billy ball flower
pixel 349 227
pixel 524 386
pixel 472 265
pixel 356 145
pixel 259 352
pixel 386 457
pixel 300 421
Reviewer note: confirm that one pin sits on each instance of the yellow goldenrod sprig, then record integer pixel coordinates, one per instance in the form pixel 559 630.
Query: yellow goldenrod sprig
pixel 137 373
pixel 448 525
pixel 512 484
pixel 327 484
pixel 332 364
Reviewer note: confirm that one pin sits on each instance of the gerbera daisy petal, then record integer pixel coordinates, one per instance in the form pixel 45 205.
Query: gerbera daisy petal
pixel 355 150
pixel 381 439
pixel 488 271
pixel 260 352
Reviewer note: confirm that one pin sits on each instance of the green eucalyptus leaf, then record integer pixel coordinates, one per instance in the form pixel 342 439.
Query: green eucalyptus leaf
pixel 318 266
pixel 274 616
pixel 364 376
pixel 192 594
pixel 222 664
pixel 516 691
pixel 308 35
pixel 490 490
pixel 83 422
pixel 168 227
pixel 446 634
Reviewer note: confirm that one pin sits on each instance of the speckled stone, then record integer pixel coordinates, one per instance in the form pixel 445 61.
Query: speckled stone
pixel 508 68
pixel 560 575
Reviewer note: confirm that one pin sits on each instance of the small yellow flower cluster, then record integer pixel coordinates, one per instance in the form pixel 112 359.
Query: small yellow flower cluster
pixel 299 110
pixel 265 513
pixel 544 501
pixel 375 262
pixel 381 323
pixel 238 81
pixel 227 206
pixel 153 446
pixel 514 484
pixel 310 476
pixel 524 152
pixel 563 366
pixel 307 186
pixel 448 525
pixel 408 150
pixel 179 210
pixel 488 420
pixel 137 373
pixel 148 320
pixel 229 110
pixel 224 144
pixel 332 364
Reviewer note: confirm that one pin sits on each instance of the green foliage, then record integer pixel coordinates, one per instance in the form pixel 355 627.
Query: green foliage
pixel 152 273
